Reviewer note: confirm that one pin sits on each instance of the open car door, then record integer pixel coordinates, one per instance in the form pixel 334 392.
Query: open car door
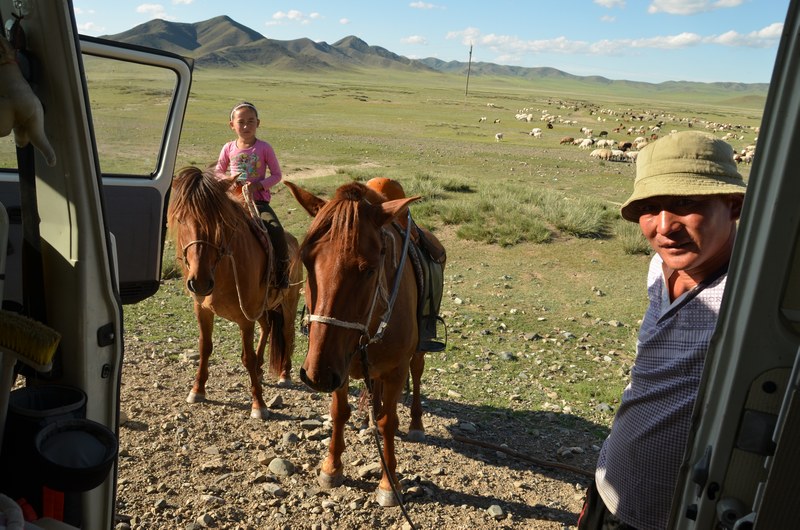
pixel 85 234
pixel 742 467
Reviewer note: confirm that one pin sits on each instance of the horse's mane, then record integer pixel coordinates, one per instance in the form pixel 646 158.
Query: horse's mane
pixel 340 216
pixel 200 197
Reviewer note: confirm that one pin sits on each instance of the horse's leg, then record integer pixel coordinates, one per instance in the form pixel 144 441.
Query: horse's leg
pixel 416 431
pixel 388 423
pixel 250 362
pixel 331 474
pixel 205 322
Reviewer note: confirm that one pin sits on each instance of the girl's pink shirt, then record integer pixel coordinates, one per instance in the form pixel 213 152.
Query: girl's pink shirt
pixel 252 163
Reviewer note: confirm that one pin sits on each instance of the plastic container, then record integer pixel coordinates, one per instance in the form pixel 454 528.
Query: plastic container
pixel 76 454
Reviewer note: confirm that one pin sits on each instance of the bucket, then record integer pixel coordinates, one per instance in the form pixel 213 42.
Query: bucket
pixel 75 455
pixel 31 409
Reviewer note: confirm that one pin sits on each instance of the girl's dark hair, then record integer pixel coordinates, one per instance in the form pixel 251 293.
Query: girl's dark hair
pixel 244 104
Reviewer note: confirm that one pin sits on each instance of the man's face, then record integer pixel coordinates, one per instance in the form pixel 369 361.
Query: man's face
pixel 692 234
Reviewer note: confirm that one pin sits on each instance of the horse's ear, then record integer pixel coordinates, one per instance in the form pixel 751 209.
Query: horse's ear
pixel 395 209
pixel 310 202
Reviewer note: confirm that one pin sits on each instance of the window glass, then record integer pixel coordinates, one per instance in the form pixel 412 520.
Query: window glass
pixel 130 105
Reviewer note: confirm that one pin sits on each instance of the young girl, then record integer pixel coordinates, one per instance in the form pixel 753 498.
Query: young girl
pixel 249 158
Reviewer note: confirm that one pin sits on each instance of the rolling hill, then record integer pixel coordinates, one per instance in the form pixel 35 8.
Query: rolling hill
pixel 221 42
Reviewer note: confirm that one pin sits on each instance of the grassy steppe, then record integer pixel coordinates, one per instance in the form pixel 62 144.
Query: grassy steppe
pixel 535 322
pixel 544 284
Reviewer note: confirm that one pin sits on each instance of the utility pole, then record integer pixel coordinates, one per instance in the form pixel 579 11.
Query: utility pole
pixel 469 67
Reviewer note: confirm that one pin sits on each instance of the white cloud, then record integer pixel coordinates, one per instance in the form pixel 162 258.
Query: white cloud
pixel 512 49
pixel 690 7
pixel 424 5
pixel 610 3
pixel 154 10
pixel 293 16
pixel 414 39
pixel 763 38
pixel 344 21
pixel 90 28
pixel 183 2
pixel 607 18
pixel 466 36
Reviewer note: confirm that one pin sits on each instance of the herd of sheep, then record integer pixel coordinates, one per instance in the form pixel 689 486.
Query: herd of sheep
pixel 634 130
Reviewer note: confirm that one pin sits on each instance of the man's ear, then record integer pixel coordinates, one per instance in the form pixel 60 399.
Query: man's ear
pixel 736 205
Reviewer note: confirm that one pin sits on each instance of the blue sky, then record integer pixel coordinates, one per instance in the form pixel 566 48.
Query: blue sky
pixel 640 40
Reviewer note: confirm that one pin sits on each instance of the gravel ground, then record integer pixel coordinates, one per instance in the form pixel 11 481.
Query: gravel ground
pixel 209 465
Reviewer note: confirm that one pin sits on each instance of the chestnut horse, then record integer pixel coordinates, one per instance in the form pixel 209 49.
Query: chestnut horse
pixel 226 267
pixel 362 304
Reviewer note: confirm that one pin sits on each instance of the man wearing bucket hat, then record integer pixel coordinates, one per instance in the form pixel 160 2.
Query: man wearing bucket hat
pixel 687 198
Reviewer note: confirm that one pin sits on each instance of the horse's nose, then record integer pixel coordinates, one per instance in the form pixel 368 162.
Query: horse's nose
pixel 195 287
pixel 326 384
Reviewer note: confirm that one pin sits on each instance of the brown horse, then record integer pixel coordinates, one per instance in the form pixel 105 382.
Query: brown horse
pixel 226 267
pixel 362 304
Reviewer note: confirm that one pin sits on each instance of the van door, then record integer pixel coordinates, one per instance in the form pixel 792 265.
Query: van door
pixel 742 465
pixel 90 227
pixel 137 98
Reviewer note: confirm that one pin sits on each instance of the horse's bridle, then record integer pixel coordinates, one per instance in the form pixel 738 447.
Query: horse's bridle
pixel 367 339
pixel 221 251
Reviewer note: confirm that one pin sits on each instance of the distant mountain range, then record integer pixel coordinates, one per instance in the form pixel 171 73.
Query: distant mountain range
pixel 221 42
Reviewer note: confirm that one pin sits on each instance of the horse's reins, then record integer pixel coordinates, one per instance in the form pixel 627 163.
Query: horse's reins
pixel 364 344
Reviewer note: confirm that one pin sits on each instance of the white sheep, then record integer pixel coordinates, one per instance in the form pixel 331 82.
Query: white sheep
pixel 498 137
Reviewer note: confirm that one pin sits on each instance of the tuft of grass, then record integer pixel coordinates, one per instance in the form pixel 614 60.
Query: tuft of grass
pixel 631 238
pixel 576 216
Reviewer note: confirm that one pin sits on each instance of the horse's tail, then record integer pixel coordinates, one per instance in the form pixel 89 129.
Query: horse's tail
pixel 279 350
pixel 282 317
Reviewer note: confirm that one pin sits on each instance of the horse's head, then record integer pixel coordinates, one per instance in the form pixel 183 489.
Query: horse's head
pixel 344 252
pixel 202 219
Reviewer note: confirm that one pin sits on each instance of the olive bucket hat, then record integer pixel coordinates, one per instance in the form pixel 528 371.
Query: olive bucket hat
pixel 683 164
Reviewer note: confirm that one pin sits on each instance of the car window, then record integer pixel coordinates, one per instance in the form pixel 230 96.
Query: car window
pixel 130 105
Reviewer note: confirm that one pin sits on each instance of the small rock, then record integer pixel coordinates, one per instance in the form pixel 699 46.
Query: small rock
pixel 205 520
pixel 275 490
pixel 310 425
pixel 290 438
pixel 468 427
pixel 367 470
pixel 495 511
pixel 281 467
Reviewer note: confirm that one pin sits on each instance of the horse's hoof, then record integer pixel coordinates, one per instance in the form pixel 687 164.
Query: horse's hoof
pixel 195 397
pixel 284 382
pixel 387 499
pixel 327 481
pixel 415 436
pixel 259 414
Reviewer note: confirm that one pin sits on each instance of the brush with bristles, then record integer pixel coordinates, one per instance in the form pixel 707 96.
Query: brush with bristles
pixel 28 341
